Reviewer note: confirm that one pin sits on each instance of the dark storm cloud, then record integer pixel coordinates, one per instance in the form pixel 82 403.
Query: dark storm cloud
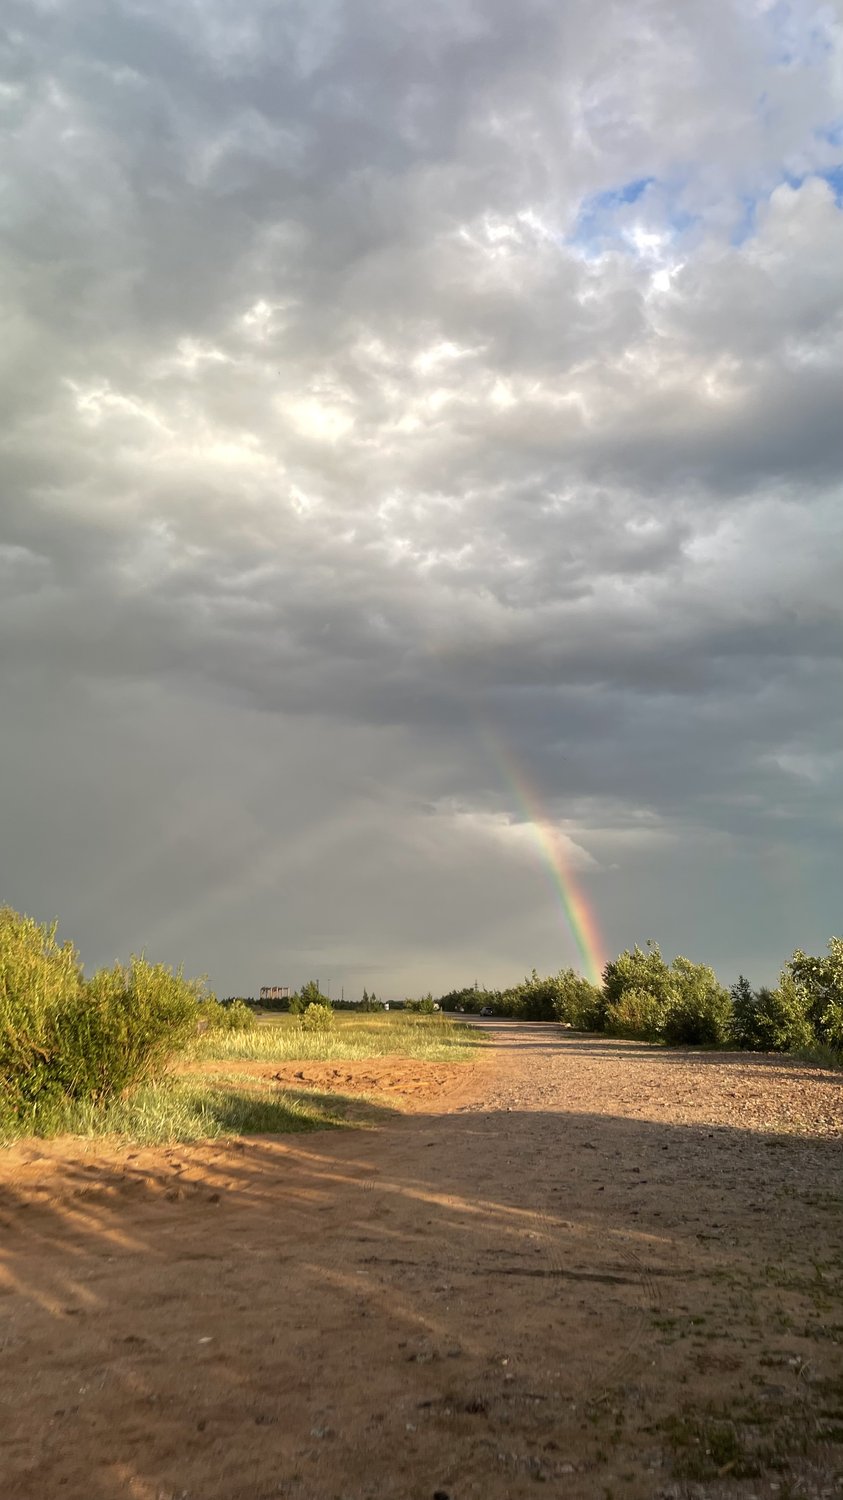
pixel 374 377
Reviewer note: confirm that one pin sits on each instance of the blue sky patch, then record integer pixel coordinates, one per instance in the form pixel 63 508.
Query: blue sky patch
pixel 596 219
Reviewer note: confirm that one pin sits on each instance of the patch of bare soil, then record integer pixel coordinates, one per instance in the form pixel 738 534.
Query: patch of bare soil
pixel 406 1082
pixel 602 1268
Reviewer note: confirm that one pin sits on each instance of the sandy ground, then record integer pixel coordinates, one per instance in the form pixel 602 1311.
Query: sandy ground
pixel 584 1268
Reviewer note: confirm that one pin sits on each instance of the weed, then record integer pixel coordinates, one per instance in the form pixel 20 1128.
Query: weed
pixel 429 1038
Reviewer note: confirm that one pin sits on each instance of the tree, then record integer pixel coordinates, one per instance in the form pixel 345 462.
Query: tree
pixel 646 973
pixel 309 994
pixel 577 1001
pixel 425 1006
pixel 700 1010
pixel 743 1027
pixel 538 998
pixel 820 981
pixel 682 1003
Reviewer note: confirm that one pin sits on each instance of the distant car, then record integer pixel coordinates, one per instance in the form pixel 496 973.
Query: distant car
pixel 487 1011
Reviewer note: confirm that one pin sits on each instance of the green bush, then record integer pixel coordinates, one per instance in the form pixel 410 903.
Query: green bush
pixel 781 1022
pixel 820 982
pixel 771 1020
pixel 681 1003
pixel 239 1016
pixel 538 998
pixel 578 1002
pixel 38 976
pixel 638 969
pixel 317 1018
pixel 235 1016
pixel 309 994
pixel 64 1038
pixel 700 1010
pixel 636 1013
pixel 425 1007
pixel 122 1028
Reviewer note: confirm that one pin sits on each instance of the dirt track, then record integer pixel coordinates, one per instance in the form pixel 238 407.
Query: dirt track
pixel 591 1267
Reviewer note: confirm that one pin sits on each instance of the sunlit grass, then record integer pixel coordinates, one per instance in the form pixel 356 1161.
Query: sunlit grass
pixel 191 1107
pixel 186 1110
pixel 428 1038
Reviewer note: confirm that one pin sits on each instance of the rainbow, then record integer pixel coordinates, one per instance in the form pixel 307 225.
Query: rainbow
pixel 579 917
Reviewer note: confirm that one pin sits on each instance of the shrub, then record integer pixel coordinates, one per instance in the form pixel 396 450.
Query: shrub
pixel 781 1020
pixel 636 969
pixel 578 1002
pixel 309 994
pixel 211 1015
pixel 37 977
pixel 700 1011
pixel 460 999
pixel 317 1018
pixel 772 1020
pixel 636 1013
pixel 425 1007
pixel 538 998
pixel 640 970
pixel 122 1028
pixel 820 981
pixel 238 1016
pixel 234 1016
pixel 64 1038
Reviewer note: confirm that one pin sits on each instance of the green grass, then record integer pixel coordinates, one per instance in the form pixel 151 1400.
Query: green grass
pixel 188 1109
pixel 429 1038
pixel 193 1107
pixel 821 1054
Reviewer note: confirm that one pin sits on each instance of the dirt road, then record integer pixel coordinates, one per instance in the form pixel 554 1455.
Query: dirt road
pixel 591 1266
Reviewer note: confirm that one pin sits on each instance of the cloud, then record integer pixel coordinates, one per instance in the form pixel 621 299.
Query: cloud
pixel 371 376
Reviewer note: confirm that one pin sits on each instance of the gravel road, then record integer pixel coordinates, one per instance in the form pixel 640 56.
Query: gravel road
pixel 591 1266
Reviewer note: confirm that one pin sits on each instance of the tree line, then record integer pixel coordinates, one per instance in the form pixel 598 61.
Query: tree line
pixel 683 1003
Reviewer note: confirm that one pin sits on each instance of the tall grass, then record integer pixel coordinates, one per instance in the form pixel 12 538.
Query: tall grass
pixel 429 1039
pixel 181 1110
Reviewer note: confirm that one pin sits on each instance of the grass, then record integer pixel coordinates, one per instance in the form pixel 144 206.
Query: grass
pixel 821 1054
pixel 189 1109
pixel 744 1441
pixel 193 1107
pixel 428 1038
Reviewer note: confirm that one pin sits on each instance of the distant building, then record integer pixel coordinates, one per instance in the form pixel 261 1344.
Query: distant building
pixel 275 992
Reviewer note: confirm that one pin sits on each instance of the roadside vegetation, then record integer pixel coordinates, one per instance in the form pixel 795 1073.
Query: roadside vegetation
pixel 186 1109
pixel 682 1003
pixel 94 1056
pixel 345 1037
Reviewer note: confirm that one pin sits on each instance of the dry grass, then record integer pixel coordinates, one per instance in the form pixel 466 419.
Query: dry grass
pixel 280 1039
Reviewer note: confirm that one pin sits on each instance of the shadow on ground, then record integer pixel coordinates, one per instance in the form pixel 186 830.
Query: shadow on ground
pixel 472 1303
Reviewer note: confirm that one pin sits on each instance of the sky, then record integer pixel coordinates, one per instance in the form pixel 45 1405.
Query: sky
pixel 421 512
